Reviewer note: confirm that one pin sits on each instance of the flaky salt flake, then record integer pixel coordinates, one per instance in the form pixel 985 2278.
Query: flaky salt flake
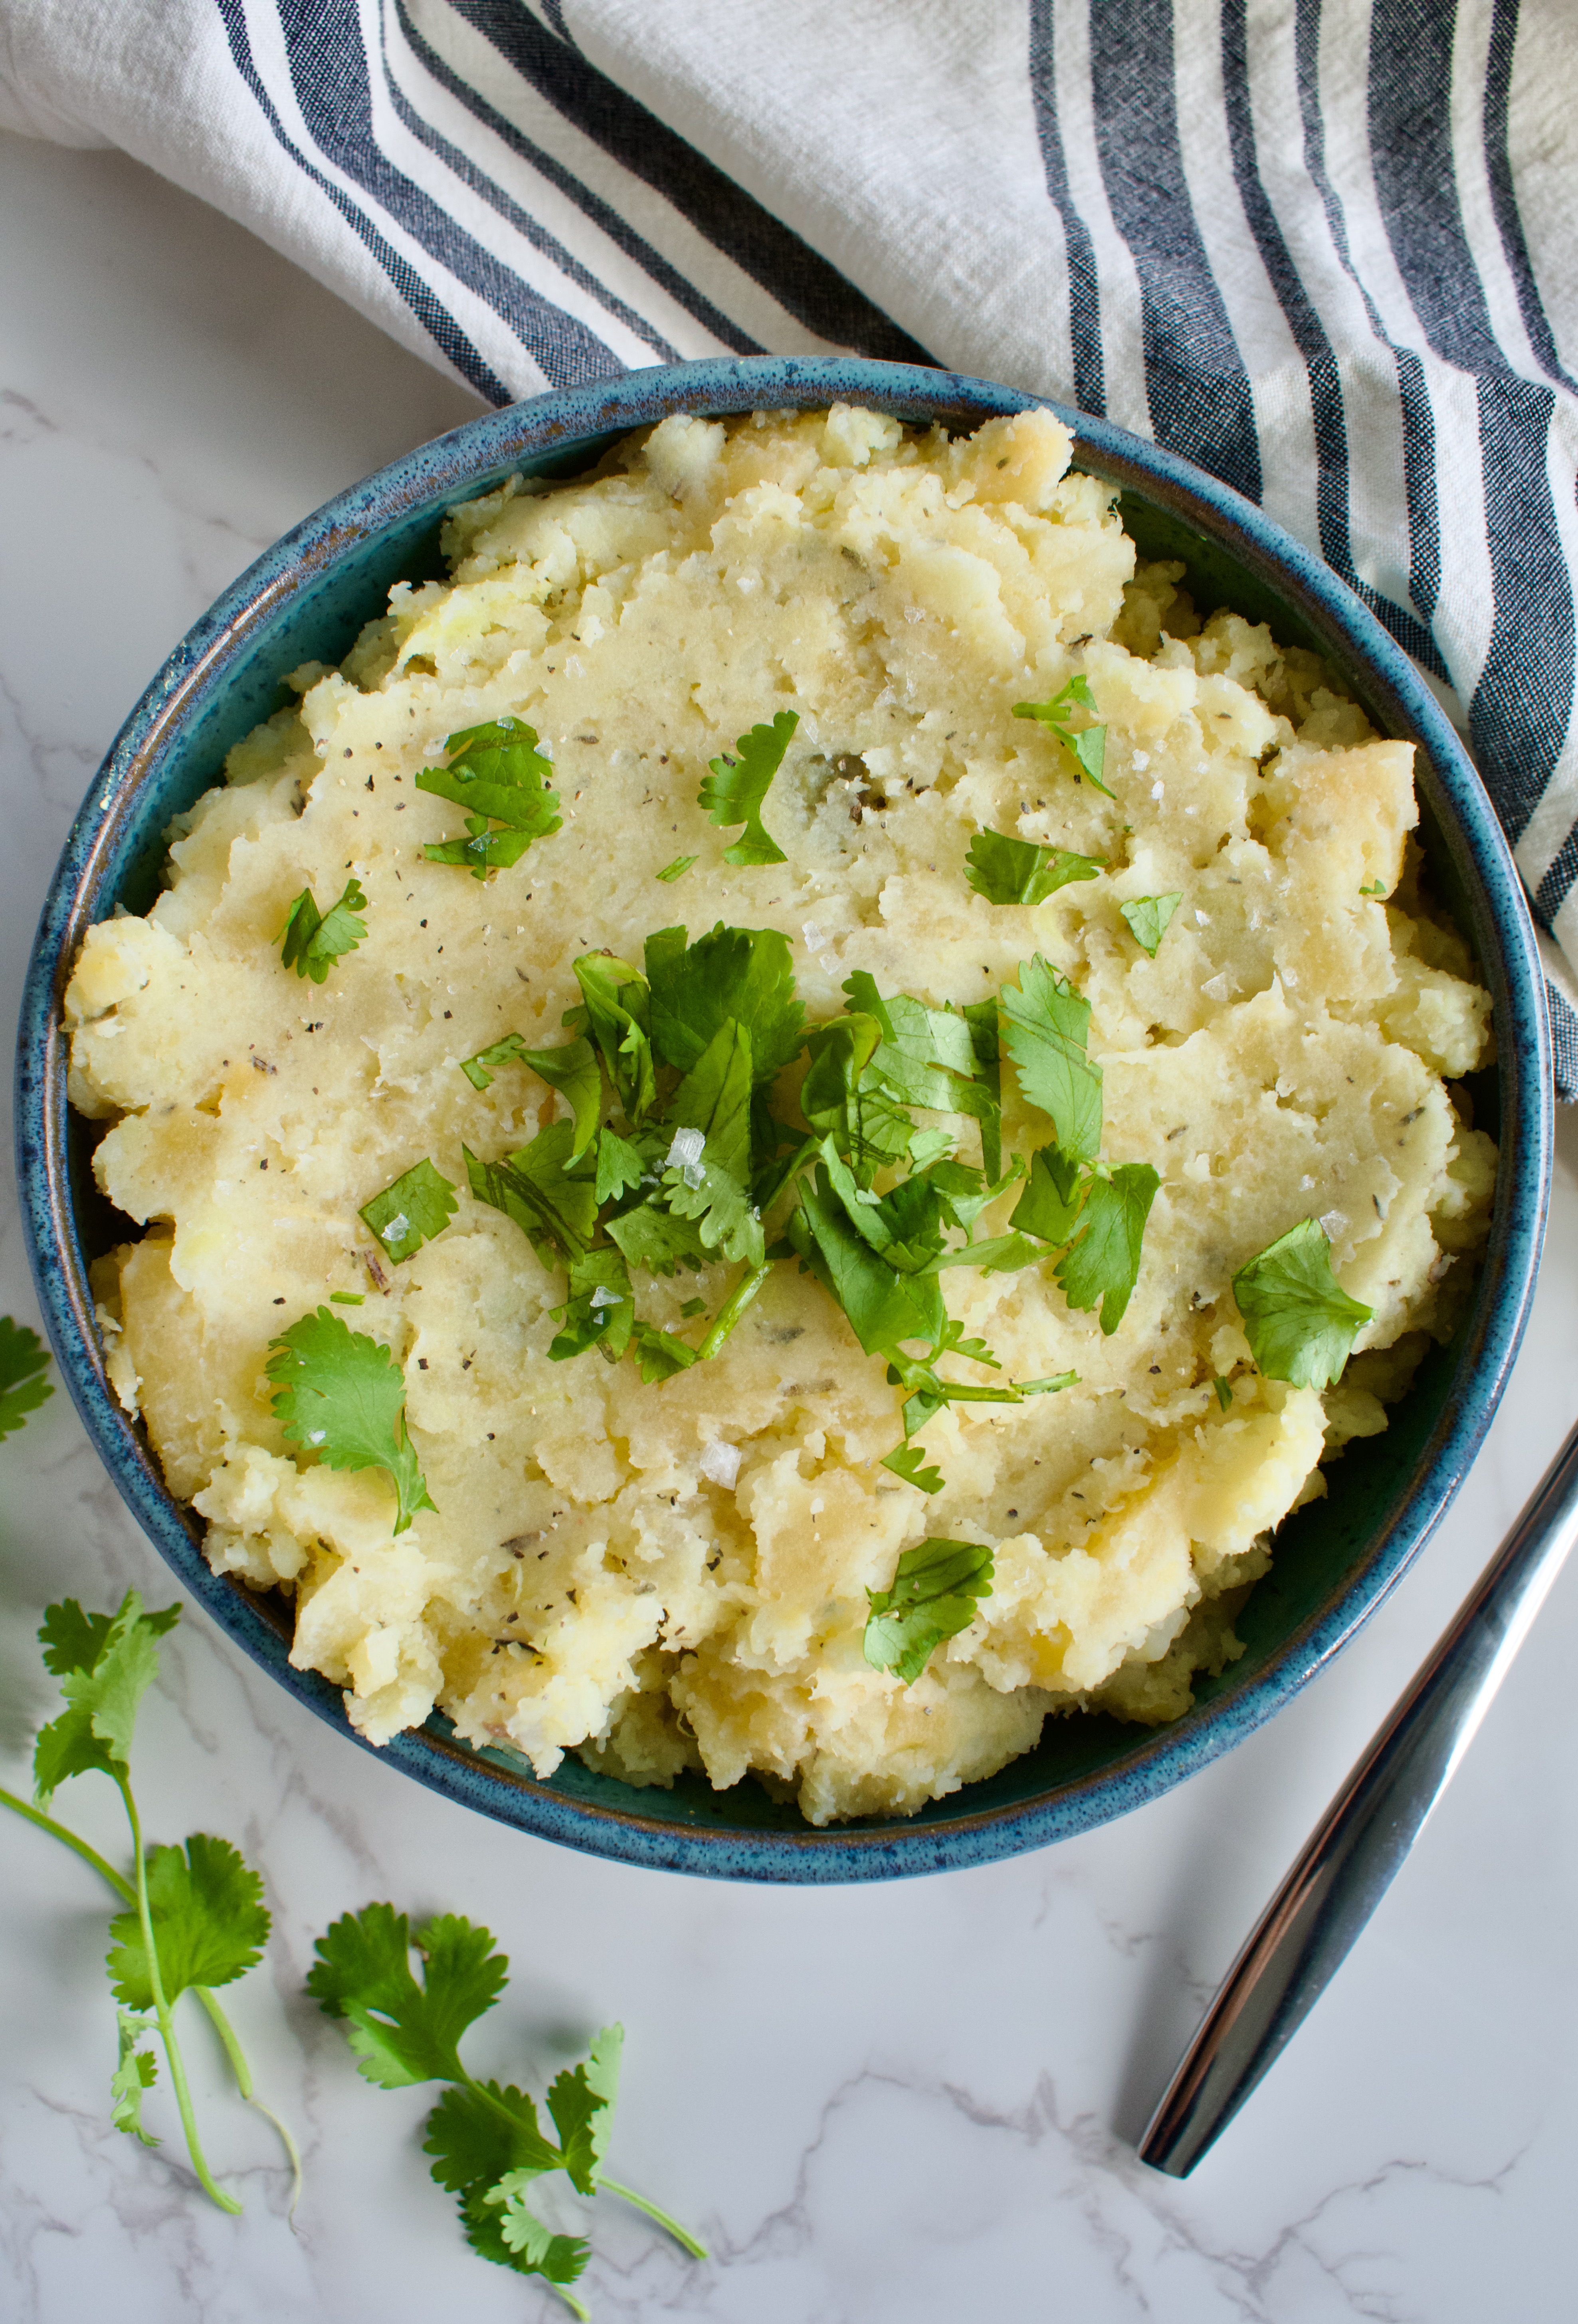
pixel 720 1463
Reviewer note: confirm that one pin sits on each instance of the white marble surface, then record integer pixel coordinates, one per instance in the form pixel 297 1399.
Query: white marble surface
pixel 885 2105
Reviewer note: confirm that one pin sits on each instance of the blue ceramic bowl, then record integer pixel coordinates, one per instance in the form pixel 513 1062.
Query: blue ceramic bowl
pixel 307 599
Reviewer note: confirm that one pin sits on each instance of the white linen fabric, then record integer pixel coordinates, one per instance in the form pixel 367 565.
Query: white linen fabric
pixel 1324 248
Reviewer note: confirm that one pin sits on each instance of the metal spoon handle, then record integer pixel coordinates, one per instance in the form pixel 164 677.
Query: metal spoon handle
pixel 1348 1863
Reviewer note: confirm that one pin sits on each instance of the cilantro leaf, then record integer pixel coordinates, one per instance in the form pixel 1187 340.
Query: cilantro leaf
pixel 552 1199
pixel 1009 871
pixel 601 1310
pixel 677 869
pixel 619 1166
pixel 615 1011
pixel 23 1357
pixel 580 2100
pixel 513 2237
pixel 1050 1206
pixel 478 2132
pixel 402 2032
pixel 136 2072
pixel 93 1735
pixel 1047 1027
pixel 1102 1262
pixel 882 1307
pixel 340 1394
pixel 735 789
pixel 660 1354
pixel 1299 1322
pixel 866 1001
pixel 210 1923
pixel 653 1238
pixel 932 1597
pixel 416 1206
pixel 981 1017
pixel 481 1068
pixel 746 974
pixel 312 941
pixel 1089 748
pixel 70 1639
pixel 498 773
pixel 908 1462
pixel 1148 918
pixel 709 1161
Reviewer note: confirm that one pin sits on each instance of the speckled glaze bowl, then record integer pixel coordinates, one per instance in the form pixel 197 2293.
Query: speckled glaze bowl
pixel 307 599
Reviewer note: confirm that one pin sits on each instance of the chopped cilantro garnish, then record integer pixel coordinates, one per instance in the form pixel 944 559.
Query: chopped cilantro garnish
pixel 194 1916
pixel 1089 748
pixel 734 790
pixel 707 1173
pixel 619 1166
pixel 349 1298
pixel 744 973
pixel 1049 1025
pixel 1224 1392
pixel 417 1206
pixel 932 1597
pixel 659 1355
pixel 615 1013
pixel 498 773
pixel 481 1069
pixel 23 1358
pixel 1102 1262
pixel 1008 870
pixel 1299 1322
pixel 677 869
pixel 312 941
pixel 1373 888
pixel 487 2144
pixel 908 1462
pixel 551 1197
pixel 601 1310
pixel 340 1394
pixel 1148 918
pixel 1049 1204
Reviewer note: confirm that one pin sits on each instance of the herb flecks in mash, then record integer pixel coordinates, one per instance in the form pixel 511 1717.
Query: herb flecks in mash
pixel 340 1394
pixel 934 1596
pixel 312 941
pixel 498 772
pixel 487 2144
pixel 1087 747
pixel 734 789
pixel 1299 1322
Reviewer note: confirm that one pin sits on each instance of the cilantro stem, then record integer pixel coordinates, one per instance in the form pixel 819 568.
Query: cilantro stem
pixel 627 2194
pixel 217 2018
pixel 730 1314
pixel 161 2010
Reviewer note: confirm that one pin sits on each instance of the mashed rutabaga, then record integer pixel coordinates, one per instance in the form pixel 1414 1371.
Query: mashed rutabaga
pixel 676 1576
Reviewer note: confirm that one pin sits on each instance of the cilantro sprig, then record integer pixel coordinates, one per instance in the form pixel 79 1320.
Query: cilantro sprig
pixel 488 2144
pixel 1088 748
pixel 1299 1322
pixel 340 1394
pixel 194 1918
pixel 934 1596
pixel 312 941
pixel 734 788
pixel 498 772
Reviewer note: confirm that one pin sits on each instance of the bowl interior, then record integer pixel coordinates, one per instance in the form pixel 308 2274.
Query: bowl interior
pixel 1334 1559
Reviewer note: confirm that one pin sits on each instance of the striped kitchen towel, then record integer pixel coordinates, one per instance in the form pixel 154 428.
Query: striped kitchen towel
pixel 1324 248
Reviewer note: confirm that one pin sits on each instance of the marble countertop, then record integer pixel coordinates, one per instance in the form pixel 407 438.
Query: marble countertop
pixel 880 2106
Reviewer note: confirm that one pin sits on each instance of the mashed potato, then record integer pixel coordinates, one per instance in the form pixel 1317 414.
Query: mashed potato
pixel 674 1576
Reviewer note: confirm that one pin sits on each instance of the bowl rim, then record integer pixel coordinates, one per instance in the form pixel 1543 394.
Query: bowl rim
pixel 459 465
